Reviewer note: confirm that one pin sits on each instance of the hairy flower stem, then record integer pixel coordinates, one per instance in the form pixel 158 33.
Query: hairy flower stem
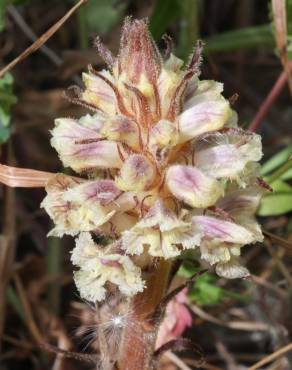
pixel 140 334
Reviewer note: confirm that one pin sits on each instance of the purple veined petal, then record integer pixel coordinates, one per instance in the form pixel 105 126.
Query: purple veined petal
pixel 228 160
pixel 70 208
pixel 68 130
pixel 80 145
pixel 241 201
pixel 230 232
pixel 192 186
pixel 84 155
pixel 101 191
pixel 204 116
pixel 220 161
pixel 164 134
pixel 137 173
pixel 123 129
pixel 241 205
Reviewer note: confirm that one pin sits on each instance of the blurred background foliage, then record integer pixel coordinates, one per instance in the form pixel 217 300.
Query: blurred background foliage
pixel 241 50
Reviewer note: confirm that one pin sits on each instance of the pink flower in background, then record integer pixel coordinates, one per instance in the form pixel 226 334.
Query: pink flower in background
pixel 177 319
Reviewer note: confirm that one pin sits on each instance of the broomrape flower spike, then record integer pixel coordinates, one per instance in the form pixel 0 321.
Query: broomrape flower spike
pixel 164 167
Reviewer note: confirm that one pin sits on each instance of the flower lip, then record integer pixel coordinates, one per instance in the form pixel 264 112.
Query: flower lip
pixel 103 190
pixel 138 54
pixel 101 265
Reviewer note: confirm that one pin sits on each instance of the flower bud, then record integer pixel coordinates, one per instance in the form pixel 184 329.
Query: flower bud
pixel 164 134
pixel 138 59
pixel 82 147
pixel 98 93
pixel 121 128
pixel 205 112
pixel 137 173
pixel 192 186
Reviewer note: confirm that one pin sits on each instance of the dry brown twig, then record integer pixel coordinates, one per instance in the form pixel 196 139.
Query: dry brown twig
pixel 42 39
pixel 279 12
pixel 271 357
pixel 7 247
pixel 282 242
pixel 279 263
pixel 236 325
pixel 280 22
pixel 176 360
pixel 30 322
pixel 269 101
pixel 270 286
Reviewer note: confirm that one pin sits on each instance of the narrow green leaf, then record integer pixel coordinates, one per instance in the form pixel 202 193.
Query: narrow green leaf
pixel 189 27
pixel 280 172
pixel 102 15
pixel 244 38
pixel 280 186
pixel 287 175
pixel 276 204
pixel 277 160
pixel 3 5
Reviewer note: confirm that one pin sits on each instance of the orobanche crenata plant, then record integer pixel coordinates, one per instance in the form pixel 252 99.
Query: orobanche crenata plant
pixel 163 168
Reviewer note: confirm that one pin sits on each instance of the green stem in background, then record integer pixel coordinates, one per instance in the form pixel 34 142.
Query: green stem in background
pixel 14 301
pixel 83 27
pixel 189 32
pixel 279 172
pixel 54 267
pixel 240 39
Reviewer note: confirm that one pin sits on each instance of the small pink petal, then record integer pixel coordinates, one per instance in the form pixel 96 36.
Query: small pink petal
pixel 204 116
pixel 226 231
pixel 192 186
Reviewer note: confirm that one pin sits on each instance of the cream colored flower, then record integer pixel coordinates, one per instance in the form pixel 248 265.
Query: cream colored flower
pixel 222 240
pixel 101 265
pixel 165 168
pixel 76 206
pixel 162 232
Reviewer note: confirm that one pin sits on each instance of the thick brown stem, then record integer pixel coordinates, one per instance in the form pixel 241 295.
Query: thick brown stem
pixel 139 336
